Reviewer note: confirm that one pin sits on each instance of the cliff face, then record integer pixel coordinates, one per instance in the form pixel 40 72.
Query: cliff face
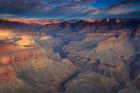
pixel 34 70
pixel 114 55
pixel 29 69
pixel 109 57
pixel 92 82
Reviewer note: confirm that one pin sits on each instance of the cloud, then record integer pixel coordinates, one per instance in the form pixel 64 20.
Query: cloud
pixel 20 6
pixel 5 15
pixel 124 9
pixel 68 8
pixel 73 9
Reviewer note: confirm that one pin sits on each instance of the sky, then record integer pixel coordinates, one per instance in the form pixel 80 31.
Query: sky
pixel 70 9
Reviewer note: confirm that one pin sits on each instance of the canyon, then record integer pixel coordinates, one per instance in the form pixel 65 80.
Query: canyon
pixel 69 56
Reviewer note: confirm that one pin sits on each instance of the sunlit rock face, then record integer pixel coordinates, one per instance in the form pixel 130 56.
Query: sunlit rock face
pixel 6 34
pixel 69 56
pixel 25 41
pixel 45 37
pixel 31 21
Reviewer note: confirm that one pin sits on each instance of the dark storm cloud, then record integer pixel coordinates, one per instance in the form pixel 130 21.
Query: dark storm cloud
pixel 70 8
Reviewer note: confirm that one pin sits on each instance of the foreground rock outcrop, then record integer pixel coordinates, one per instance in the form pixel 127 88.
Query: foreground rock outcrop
pixel 91 82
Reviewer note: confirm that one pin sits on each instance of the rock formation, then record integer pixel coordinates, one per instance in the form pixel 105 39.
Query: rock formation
pixel 69 56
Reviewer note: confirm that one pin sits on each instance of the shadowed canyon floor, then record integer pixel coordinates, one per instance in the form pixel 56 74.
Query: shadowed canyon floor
pixel 73 56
